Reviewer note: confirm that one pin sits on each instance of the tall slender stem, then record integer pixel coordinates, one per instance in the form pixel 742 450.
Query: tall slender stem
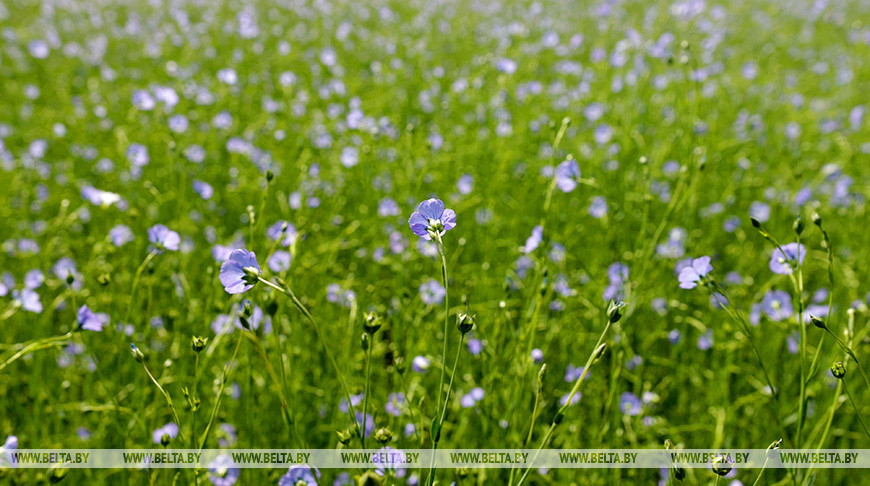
pixel 366 392
pixel 557 419
pixel 304 310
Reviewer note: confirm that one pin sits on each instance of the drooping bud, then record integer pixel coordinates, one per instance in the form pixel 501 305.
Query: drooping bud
pixel 371 322
pixel 614 311
pixel 817 220
pixel 465 323
pixel 198 343
pixel 818 322
pixel 838 370
pixel 755 223
pixel 137 354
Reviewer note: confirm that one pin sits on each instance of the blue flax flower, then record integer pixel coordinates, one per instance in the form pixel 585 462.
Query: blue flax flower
pixel 239 273
pixel 431 220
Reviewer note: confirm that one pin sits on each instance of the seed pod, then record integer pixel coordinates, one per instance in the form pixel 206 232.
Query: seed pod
pixel 838 370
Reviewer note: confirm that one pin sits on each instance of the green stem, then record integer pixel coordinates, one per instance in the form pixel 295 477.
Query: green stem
pixel 36 345
pixel 366 392
pixel 557 419
pixel 136 281
pixel 301 307
pixel 857 412
pixel 168 400
pixel 431 478
pixel 217 403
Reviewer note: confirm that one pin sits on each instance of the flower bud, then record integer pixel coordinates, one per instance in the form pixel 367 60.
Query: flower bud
pixel 818 322
pixel 798 225
pixel 755 223
pixel 104 279
pixel 365 342
pixel 817 220
pixel 614 311
pixel 465 323
pixel 399 364
pixel 269 176
pixel 57 473
pixel 383 435
pixel 198 343
pixel 70 278
pixel 679 473
pixel 136 353
pixel 721 466
pixel 372 322
pixel 344 436
pixel 838 370
pixel 370 478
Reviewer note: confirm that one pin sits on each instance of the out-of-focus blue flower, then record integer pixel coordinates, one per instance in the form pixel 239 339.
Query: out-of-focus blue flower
pixel 170 429
pixel 567 174
pixel 395 402
pixel 370 422
pixel 630 404
pixel 28 300
pixel 760 211
pixel 465 184
pixel 705 341
pixel 279 261
pixel 91 321
pixel 534 240
pixel 617 273
pixel 100 198
pixel 475 346
pixel 223 471
pixel 120 235
pixel 537 355
pixel 34 279
pixel 204 189
pixel 432 292
pixel 388 207
pixel 290 235
pixel 420 364
pixel 777 305
pixel 299 475
pixel 598 207
pixel 692 275
pixel 432 219
pixel 791 254
pixel 163 237
pixel 239 273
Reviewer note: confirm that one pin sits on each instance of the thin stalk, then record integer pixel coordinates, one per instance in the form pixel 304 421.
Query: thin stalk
pixel 857 412
pixel 557 419
pixel 301 307
pixel 36 345
pixel 217 403
pixel 366 392
pixel 139 270
pixel 437 438
pixel 168 400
